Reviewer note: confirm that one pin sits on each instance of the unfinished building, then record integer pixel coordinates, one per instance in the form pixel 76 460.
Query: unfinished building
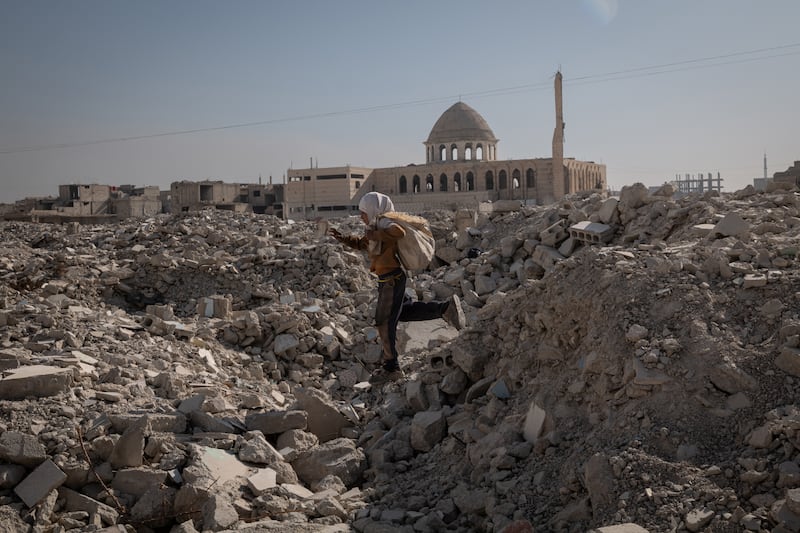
pixel 196 195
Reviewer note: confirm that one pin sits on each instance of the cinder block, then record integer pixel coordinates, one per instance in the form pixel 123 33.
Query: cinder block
pixel 591 232
pixel 34 488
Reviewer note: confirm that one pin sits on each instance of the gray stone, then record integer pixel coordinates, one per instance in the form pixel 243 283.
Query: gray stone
pixel 75 501
pixel 257 450
pixel 697 519
pixel 34 381
pixel 546 257
pixel 534 424
pixel 137 481
pixel 428 428
pixel 324 418
pixel 10 475
pixel 415 396
pixel 274 422
pixel 22 449
pixel 297 439
pixel 218 513
pixel 210 423
pixel 454 382
pixel 193 403
pixel 339 457
pixel 129 449
pixel 156 507
pixel 732 225
pixel 627 527
pixel 285 342
pixel 262 481
pixel 599 482
pixel 788 360
pixel 38 484
pixel 469 501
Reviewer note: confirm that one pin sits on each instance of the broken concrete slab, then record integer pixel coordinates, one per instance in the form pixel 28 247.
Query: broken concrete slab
pixel 36 381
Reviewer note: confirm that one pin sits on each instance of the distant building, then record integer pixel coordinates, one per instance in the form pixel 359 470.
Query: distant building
pixel 790 176
pixel 89 203
pixel 196 195
pixel 461 170
pixel 129 201
pixel 697 183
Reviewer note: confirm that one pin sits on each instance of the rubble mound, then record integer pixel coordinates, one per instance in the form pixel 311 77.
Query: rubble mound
pixel 630 364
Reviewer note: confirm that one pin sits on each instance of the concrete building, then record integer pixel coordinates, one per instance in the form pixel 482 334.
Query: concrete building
pixel 84 200
pixel 461 170
pixel 129 201
pixel 91 203
pixel 790 176
pixel 263 199
pixel 196 195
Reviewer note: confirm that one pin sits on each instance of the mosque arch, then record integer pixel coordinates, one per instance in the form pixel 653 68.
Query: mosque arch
pixel 429 183
pixel 403 186
pixel 457 182
pixel 489 180
pixel 415 183
pixel 502 180
pixel 530 178
pixel 443 183
pixel 470 181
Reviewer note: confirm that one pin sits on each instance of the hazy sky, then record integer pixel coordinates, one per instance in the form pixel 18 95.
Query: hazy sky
pixel 651 88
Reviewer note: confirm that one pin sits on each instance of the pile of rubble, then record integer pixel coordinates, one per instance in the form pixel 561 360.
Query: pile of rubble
pixel 630 364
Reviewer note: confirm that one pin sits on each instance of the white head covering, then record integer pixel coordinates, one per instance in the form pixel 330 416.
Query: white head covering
pixel 374 204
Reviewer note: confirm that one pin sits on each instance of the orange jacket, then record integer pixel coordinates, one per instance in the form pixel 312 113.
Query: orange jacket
pixel 381 248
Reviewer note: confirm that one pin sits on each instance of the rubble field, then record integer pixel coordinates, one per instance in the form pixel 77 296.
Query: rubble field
pixel 629 364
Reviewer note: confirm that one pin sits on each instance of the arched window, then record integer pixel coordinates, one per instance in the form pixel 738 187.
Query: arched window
pixel 489 180
pixel 468 152
pixel 442 153
pixel 502 178
pixel 515 182
pixel 403 185
pixel 479 153
pixel 470 181
pixel 416 183
pixel 443 183
pixel 429 183
pixel 457 182
pixel 453 152
pixel 530 178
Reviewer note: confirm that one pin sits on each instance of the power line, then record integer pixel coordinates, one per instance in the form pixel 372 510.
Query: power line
pixel 651 70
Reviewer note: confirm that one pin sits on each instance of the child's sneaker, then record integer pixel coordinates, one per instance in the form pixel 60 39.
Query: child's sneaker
pixel 454 314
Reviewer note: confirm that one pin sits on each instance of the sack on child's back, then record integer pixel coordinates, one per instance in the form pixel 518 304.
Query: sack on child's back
pixel 415 250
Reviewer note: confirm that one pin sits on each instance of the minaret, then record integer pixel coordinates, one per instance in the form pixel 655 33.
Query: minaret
pixel 559 188
pixel 765 167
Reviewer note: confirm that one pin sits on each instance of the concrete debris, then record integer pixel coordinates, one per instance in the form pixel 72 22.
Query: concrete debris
pixel 629 364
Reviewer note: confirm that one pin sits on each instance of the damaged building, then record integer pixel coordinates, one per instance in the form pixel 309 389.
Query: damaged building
pixel 461 170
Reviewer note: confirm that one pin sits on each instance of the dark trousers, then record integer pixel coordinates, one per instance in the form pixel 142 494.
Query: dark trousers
pixel 394 306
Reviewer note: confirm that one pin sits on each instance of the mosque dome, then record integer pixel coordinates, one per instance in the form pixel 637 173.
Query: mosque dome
pixel 461 123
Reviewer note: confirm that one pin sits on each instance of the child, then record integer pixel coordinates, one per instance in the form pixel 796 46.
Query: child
pixel 393 306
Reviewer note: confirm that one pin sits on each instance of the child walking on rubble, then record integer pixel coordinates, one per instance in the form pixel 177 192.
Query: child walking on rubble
pixel 393 305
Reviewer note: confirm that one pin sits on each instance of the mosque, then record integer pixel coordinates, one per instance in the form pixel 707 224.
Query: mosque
pixel 461 170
